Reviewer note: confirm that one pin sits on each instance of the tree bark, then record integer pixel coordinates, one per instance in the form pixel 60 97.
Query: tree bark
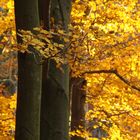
pixel 44 14
pixel 55 95
pixel 78 103
pixel 29 76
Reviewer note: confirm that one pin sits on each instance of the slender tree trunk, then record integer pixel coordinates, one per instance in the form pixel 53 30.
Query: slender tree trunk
pixel 44 14
pixel 55 95
pixel 78 103
pixel 29 76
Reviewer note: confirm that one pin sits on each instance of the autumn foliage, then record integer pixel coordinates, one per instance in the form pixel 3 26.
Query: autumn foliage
pixel 7 65
pixel 107 55
pixel 102 46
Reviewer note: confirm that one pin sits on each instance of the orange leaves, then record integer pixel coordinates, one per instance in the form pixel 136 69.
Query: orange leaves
pixel 7 25
pixel 7 116
pixel 107 42
pixel 103 35
pixel 80 132
pixel 113 101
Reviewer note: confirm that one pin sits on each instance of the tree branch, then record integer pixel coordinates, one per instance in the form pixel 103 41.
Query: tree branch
pixel 113 71
pixel 109 115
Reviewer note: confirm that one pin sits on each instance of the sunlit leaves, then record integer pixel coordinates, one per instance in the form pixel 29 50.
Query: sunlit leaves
pixel 103 35
pixel 7 25
pixel 7 116
pixel 111 41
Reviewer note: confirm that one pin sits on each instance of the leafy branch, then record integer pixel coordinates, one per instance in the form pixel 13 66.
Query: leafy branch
pixel 109 115
pixel 113 71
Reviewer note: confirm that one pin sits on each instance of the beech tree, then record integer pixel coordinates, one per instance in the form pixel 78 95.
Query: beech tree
pixel 55 89
pixel 78 106
pixel 29 76
pixel 106 52
pixel 103 48
pixel 55 97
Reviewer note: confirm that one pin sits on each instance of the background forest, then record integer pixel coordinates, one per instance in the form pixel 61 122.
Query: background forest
pixel 101 47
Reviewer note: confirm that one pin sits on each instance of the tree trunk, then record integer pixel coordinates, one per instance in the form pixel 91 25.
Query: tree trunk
pixel 78 103
pixel 55 95
pixel 44 14
pixel 29 76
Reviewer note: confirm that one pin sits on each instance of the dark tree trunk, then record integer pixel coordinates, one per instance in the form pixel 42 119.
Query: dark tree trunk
pixel 78 103
pixel 55 95
pixel 29 76
pixel 44 14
